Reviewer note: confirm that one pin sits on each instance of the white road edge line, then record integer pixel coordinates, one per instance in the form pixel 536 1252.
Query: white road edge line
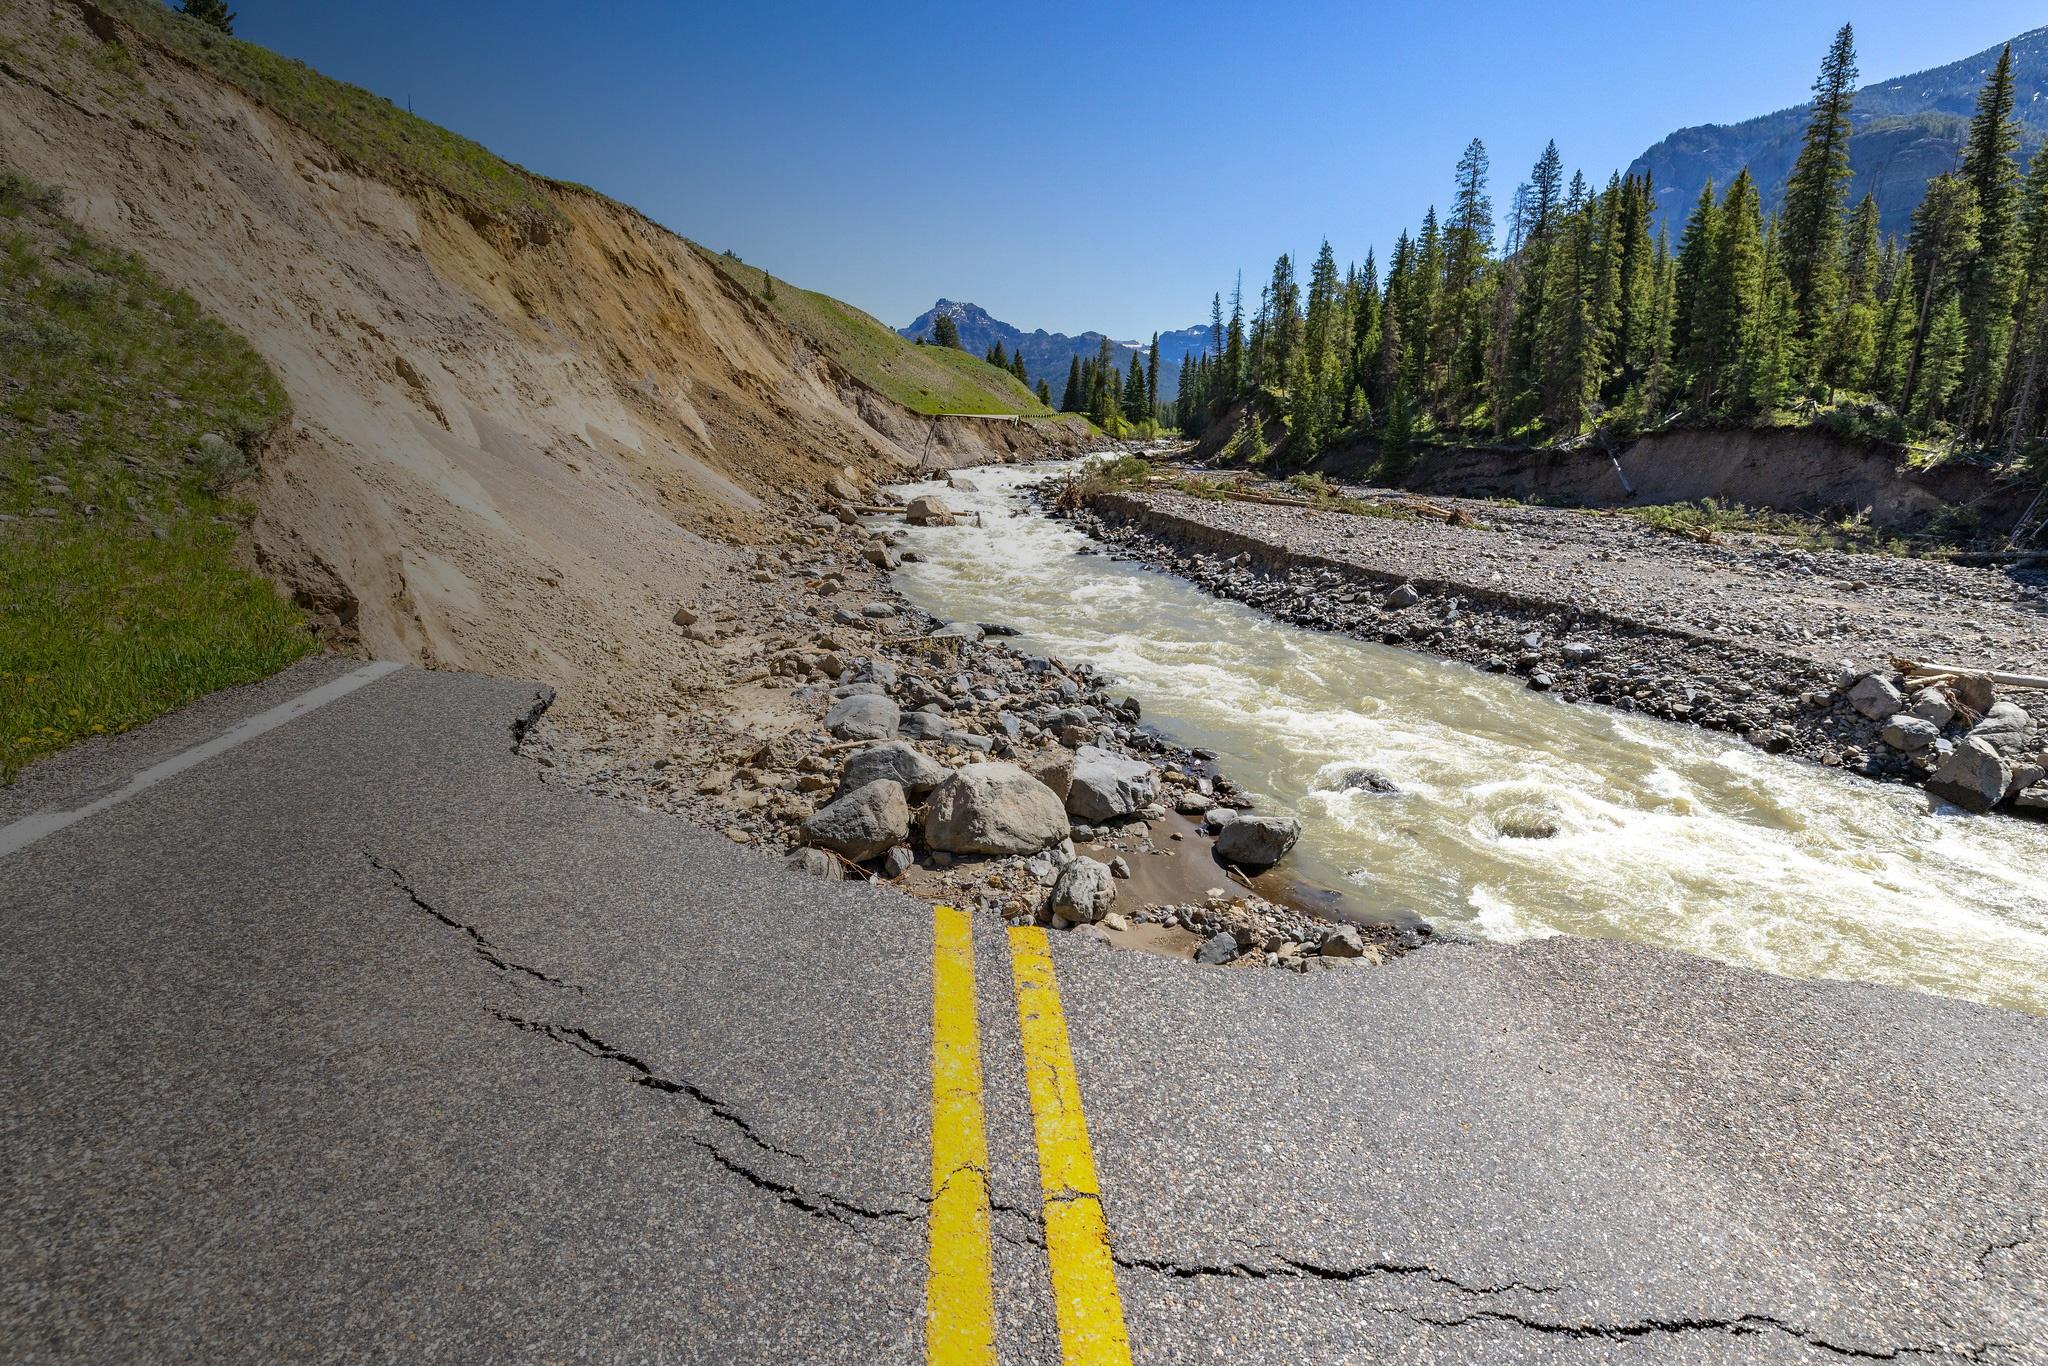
pixel 26 831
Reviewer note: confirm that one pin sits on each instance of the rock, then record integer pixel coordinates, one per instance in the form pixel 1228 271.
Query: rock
pixel 879 555
pixel 1216 817
pixel 1116 920
pixel 2033 798
pixel 2006 727
pixel 863 823
pixel 923 725
pixel 1107 786
pixel 815 863
pixel 684 617
pixel 928 510
pixel 1579 652
pixel 1974 777
pixel 1875 697
pixel 900 763
pixel 1910 733
pixel 1257 841
pixel 1118 867
pixel 1341 941
pixel 1527 822
pixel 1933 706
pixel 993 809
pixel 842 488
pixel 878 611
pixel 958 630
pixel 897 861
pixel 1217 949
pixel 1083 892
pixel 863 718
pixel 1366 780
pixel 1054 768
pixel 1404 596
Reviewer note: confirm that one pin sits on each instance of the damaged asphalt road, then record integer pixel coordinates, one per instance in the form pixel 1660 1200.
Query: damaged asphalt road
pixel 363 1039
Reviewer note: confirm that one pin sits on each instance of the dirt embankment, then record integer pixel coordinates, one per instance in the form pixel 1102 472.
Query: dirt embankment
pixel 1745 636
pixel 511 450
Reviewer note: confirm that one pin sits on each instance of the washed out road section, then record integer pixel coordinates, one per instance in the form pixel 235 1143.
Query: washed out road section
pixel 363 1039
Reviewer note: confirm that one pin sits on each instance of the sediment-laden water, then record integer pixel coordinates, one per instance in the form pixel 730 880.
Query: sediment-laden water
pixel 1660 833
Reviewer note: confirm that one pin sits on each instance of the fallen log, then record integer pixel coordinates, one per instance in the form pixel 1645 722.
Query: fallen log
pixel 1931 672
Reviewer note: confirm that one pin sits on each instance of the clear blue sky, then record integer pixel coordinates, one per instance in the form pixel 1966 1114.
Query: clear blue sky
pixel 1079 166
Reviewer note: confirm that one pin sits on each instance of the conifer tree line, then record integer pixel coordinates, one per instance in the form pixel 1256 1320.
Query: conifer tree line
pixel 1583 319
pixel 1115 397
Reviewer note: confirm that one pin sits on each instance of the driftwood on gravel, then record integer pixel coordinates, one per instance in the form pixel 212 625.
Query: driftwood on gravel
pixel 1927 673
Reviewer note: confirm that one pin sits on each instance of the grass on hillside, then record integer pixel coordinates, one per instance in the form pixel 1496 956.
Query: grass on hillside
pixel 123 413
pixel 925 379
pixel 366 128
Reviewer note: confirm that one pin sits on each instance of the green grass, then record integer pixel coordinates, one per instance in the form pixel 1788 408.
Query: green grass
pixel 1710 518
pixel 925 379
pixel 124 410
pixel 368 129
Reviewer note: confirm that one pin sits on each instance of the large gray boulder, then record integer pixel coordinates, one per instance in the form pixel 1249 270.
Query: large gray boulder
pixel 863 824
pixel 1974 777
pixel 917 772
pixel 993 809
pixel 2006 728
pixel 863 718
pixel 1107 786
pixel 1875 697
pixel 928 510
pixel 1083 892
pixel 1910 733
pixel 1257 841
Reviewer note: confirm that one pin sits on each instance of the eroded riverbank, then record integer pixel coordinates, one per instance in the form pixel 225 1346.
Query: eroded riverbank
pixel 1515 815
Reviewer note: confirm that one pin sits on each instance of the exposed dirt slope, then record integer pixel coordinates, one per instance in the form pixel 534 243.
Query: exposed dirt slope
pixel 519 440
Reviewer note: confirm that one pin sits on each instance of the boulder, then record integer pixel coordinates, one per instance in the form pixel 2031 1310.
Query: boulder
pixel 2033 798
pixel 863 717
pixel 928 510
pixel 1341 941
pixel 1933 706
pixel 1083 892
pixel 815 863
pixel 1108 786
pixel 993 809
pixel 2006 727
pixel 897 861
pixel 1974 777
pixel 1404 596
pixel 900 763
pixel 1910 733
pixel 1217 949
pixel 1579 652
pixel 863 824
pixel 1875 697
pixel 923 725
pixel 1055 768
pixel 1257 841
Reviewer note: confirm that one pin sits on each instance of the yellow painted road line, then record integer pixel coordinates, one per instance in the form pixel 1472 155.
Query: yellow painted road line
pixel 959 1288
pixel 1091 1313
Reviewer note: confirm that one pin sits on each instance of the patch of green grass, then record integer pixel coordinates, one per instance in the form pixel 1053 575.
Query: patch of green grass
pixel 124 412
pixel 366 128
pixel 1711 518
pixel 925 379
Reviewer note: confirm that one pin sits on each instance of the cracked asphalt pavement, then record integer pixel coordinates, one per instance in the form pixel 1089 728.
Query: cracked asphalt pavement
pixel 362 1039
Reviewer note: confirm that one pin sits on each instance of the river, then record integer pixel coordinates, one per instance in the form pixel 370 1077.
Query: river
pixel 1665 834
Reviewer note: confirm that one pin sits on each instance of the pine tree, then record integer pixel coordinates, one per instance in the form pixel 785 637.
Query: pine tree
pixel 2024 403
pixel 1891 358
pixel 1045 393
pixel 1944 246
pixel 1816 195
pixel 1729 294
pixel 1282 332
pixel 1234 359
pixel 1991 276
pixel 1852 335
pixel 996 356
pixel 1134 405
pixel 1075 398
pixel 945 332
pixel 1152 379
pixel 1942 358
pixel 214 12
pixel 1468 246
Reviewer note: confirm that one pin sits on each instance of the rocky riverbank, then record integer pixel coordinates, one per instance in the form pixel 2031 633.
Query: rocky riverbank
pixel 821 714
pixel 1787 647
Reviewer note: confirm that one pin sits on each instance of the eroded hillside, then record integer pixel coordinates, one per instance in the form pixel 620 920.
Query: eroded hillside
pixel 526 423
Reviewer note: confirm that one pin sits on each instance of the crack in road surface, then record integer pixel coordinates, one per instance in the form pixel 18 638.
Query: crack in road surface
pixel 480 945
pixel 1299 1268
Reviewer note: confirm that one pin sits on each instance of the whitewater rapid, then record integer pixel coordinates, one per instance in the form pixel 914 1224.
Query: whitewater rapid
pixel 1664 834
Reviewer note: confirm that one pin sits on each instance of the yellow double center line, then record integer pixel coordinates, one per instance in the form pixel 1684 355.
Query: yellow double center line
pixel 959 1289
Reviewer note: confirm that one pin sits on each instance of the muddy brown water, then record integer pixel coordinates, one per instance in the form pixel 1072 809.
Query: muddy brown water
pixel 1517 815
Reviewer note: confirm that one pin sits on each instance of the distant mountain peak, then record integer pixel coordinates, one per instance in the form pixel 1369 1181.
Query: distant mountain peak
pixel 1047 355
pixel 1907 129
